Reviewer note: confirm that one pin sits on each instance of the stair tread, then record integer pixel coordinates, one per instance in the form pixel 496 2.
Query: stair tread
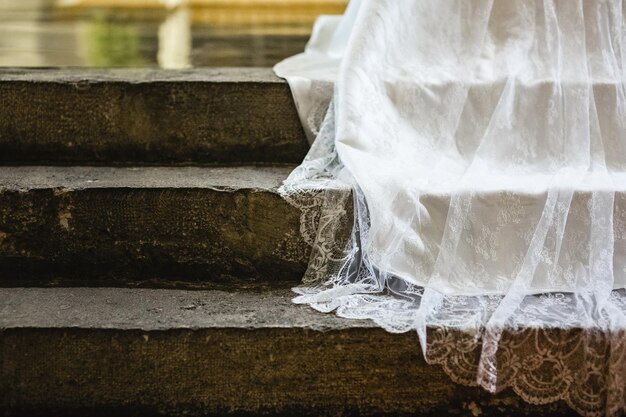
pixel 261 177
pixel 160 309
pixel 80 177
pixel 139 75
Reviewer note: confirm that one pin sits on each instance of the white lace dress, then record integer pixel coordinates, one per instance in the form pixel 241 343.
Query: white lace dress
pixel 467 180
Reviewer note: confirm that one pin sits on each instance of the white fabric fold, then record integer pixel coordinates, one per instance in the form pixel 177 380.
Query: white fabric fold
pixel 481 147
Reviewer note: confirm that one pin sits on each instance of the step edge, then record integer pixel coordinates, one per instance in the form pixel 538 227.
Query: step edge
pixel 72 75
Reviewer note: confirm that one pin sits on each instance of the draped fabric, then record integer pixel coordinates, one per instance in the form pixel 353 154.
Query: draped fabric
pixel 467 181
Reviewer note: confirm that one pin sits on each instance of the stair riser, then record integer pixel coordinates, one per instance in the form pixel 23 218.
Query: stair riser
pixel 142 233
pixel 147 117
pixel 291 371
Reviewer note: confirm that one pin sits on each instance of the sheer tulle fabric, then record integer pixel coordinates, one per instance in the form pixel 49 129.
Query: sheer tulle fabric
pixel 468 181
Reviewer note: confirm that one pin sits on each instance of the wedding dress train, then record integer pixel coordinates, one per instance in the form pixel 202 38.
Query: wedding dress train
pixel 467 180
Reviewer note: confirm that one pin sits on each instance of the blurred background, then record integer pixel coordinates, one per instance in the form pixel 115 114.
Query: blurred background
pixel 156 33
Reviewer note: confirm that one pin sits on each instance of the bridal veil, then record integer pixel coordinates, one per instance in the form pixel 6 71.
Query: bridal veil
pixel 467 180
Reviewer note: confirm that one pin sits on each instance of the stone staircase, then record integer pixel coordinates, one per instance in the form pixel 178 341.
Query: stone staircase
pixel 146 260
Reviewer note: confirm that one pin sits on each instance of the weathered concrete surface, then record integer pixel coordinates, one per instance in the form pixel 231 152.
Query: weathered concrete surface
pixel 94 224
pixel 163 352
pixel 147 116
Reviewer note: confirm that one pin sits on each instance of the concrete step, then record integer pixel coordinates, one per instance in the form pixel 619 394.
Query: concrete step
pixel 104 351
pixel 103 225
pixel 147 116
pixel 178 226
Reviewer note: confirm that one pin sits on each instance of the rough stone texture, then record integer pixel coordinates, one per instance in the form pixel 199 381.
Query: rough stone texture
pixel 95 224
pixel 147 116
pixel 162 352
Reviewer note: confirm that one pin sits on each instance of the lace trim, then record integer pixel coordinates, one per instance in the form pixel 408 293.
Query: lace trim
pixel 578 359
